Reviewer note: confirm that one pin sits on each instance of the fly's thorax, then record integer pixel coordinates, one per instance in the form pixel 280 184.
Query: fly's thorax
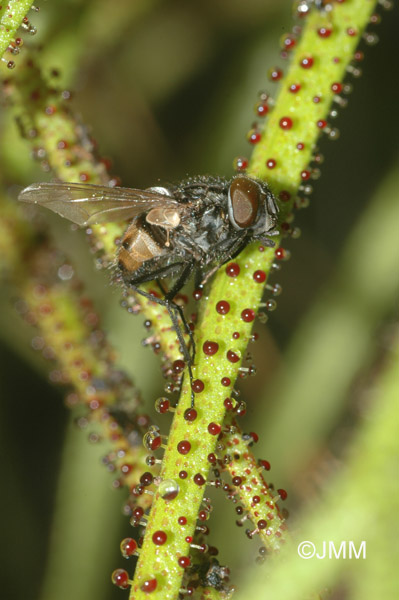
pixel 207 230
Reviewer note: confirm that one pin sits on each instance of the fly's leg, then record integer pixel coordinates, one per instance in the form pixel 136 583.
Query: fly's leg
pixel 177 286
pixel 173 309
pixel 231 250
pixel 198 278
pixel 168 297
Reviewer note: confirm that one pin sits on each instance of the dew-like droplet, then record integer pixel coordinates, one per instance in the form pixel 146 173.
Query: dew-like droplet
pixel 152 440
pixel 210 348
pixel 198 386
pixel 240 163
pixel 261 109
pixel 306 62
pixel 190 414
pixel 149 585
pixel 232 356
pixel 232 269
pixel 199 479
pixel 259 276
pixel 162 405
pixel 222 307
pixel 214 428
pixel 271 305
pixel 254 136
pixel 184 562
pixel 286 123
pixel 159 537
pixel 324 32
pixel 294 88
pixel 248 315
pixel 184 447
pixel 120 578
pixel 168 489
pixel 275 74
pixel 128 547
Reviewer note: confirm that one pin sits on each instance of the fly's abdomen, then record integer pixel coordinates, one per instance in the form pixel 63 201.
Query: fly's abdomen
pixel 137 247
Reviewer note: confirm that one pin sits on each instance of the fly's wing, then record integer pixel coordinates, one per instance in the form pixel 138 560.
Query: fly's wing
pixel 91 204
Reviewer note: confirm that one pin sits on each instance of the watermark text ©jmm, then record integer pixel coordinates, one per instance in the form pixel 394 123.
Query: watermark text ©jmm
pixel 346 549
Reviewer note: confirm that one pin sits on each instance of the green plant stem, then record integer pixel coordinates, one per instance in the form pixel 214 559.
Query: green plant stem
pixel 12 14
pixel 243 292
pixel 69 326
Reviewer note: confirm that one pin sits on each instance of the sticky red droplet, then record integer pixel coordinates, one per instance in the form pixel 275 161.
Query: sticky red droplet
pixel 222 307
pixel 307 62
pixel 198 386
pixel 199 479
pixel 324 32
pixel 248 315
pixel 148 586
pixel 259 276
pixel 232 269
pixel 232 356
pixel 184 562
pixel 337 87
pixel 254 136
pixel 214 428
pixel 128 547
pixel 351 31
pixel 279 253
pixel 275 74
pixel 295 87
pixel 286 123
pixel 120 578
pixel 240 163
pixel 261 109
pixel 284 196
pixel 282 493
pixel 210 348
pixel 159 538
pixel 184 447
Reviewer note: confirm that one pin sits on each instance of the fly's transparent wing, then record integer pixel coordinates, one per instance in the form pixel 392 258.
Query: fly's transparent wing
pixel 91 204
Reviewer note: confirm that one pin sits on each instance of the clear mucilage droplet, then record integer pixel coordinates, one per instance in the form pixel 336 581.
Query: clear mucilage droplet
pixel 168 489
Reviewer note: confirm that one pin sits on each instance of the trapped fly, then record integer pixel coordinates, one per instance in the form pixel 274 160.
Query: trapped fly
pixel 193 227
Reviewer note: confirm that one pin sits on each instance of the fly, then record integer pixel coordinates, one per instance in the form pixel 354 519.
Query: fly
pixel 193 227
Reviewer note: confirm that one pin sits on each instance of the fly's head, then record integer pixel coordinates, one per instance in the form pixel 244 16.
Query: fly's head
pixel 252 207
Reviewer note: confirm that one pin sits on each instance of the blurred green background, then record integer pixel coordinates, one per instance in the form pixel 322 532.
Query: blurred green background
pixel 167 89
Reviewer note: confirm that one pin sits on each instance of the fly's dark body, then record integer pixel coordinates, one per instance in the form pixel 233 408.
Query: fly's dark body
pixel 207 234
pixel 195 226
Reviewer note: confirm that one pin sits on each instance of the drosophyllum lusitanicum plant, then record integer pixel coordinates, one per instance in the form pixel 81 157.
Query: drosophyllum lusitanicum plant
pixel 169 478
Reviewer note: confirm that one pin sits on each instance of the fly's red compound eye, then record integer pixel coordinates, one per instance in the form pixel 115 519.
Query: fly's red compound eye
pixel 243 202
